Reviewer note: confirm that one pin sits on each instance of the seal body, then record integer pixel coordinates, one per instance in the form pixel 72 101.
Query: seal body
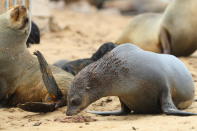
pixel 20 76
pixel 143 87
pixel 172 32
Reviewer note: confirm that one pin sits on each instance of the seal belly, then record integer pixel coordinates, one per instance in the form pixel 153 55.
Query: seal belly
pixel 145 100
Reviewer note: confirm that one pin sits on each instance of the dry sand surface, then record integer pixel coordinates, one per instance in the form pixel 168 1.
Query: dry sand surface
pixel 82 34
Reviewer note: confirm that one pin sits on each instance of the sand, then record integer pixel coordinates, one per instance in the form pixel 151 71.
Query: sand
pixel 80 36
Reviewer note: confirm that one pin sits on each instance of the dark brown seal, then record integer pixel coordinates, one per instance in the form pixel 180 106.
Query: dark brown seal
pixel 172 32
pixel 142 87
pixel 20 76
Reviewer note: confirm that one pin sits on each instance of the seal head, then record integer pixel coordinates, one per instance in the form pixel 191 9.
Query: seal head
pixel 14 23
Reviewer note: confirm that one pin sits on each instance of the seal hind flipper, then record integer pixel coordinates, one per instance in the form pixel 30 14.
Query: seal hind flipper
pixel 48 78
pixel 169 108
pixel 165 41
pixel 37 107
pixel 124 111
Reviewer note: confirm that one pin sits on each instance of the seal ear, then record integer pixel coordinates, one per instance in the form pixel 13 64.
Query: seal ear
pixel 165 40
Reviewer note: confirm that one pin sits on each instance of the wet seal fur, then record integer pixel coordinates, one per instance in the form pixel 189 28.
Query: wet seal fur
pixel 142 87
pixel 172 32
pixel 20 77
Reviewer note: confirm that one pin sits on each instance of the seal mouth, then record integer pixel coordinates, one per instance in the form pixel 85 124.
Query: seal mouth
pixel 24 24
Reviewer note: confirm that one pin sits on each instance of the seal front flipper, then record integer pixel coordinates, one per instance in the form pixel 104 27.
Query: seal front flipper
pixel 37 107
pixel 49 81
pixel 165 40
pixel 169 108
pixel 124 111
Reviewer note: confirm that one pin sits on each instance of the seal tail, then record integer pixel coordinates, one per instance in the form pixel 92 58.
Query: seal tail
pixel 49 81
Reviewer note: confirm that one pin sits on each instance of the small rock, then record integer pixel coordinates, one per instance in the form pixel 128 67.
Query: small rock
pixel 134 128
pixel 87 123
pixel 37 124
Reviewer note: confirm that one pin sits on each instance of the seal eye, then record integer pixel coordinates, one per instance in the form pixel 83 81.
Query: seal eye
pixel 75 102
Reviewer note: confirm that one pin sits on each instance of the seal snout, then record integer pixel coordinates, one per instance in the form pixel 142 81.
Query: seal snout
pixel 71 112
pixel 19 17
pixel 18 12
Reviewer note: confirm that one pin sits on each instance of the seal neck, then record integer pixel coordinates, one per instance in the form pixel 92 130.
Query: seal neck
pixel 14 52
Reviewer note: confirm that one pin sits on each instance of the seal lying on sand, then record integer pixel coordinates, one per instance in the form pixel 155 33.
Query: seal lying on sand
pixel 75 66
pixel 142 87
pixel 20 76
pixel 172 32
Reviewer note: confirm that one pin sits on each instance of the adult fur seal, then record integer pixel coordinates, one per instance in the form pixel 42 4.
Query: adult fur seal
pixel 172 32
pixel 127 72
pixel 20 76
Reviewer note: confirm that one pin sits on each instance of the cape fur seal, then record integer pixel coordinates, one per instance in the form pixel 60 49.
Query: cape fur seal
pixel 127 72
pixel 172 32
pixel 20 76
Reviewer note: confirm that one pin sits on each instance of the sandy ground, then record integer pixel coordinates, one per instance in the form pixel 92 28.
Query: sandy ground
pixel 82 34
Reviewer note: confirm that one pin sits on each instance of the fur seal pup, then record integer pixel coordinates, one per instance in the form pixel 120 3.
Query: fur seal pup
pixel 20 76
pixel 77 65
pixel 172 32
pixel 127 72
